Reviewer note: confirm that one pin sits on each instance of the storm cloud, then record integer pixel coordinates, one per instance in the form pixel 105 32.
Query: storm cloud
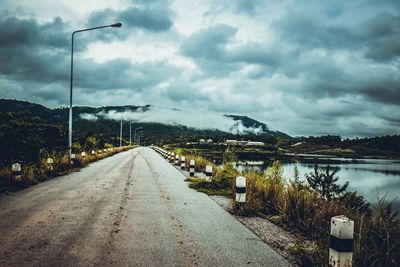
pixel 304 69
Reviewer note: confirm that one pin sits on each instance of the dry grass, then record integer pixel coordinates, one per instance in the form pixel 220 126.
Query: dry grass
pixel 35 173
pixel 297 206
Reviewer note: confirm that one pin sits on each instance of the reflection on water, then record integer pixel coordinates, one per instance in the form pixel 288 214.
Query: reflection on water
pixel 369 177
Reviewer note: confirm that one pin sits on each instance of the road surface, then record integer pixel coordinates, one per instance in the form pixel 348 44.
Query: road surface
pixel 132 209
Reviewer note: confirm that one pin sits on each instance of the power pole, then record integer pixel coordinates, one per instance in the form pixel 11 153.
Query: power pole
pixel 120 134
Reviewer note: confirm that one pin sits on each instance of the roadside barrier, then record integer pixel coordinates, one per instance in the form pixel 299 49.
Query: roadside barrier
pixel 72 158
pixel 16 171
pixel 192 165
pixel 183 160
pixel 341 242
pixel 50 162
pixel 209 173
pixel 240 189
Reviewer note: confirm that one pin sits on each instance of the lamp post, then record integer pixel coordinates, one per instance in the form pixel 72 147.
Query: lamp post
pixel 130 133
pixel 115 25
pixel 120 134
pixel 139 135
pixel 135 137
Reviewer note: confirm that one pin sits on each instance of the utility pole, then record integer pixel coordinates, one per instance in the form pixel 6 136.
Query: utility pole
pixel 120 134
pixel 130 133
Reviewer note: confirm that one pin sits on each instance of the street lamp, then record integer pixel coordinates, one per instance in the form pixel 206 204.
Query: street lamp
pixel 115 25
pixel 130 133
pixel 120 134
pixel 135 137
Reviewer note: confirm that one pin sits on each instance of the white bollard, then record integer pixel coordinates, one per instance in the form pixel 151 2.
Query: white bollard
pixel 72 158
pixel 209 173
pixel 50 162
pixel 169 156
pixel 341 242
pixel 191 168
pixel 240 189
pixel 177 160
pixel 93 152
pixel 172 157
pixel 183 160
pixel 83 155
pixel 16 171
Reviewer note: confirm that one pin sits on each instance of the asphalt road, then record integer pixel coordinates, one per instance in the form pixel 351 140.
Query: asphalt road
pixel 132 209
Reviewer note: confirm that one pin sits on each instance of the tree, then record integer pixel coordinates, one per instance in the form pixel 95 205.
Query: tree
pixel 324 182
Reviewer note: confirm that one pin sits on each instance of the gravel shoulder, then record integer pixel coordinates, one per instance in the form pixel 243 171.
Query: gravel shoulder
pixel 275 236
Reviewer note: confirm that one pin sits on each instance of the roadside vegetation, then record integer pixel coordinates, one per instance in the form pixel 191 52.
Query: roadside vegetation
pixel 36 172
pixel 305 207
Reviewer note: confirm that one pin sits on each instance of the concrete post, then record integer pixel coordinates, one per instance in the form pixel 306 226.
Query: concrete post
pixel 209 173
pixel 177 160
pixel 341 242
pixel 50 162
pixel 183 163
pixel 16 171
pixel 192 168
pixel 240 189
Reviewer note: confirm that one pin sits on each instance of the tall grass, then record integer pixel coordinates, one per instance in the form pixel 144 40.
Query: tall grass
pixel 32 173
pixel 307 211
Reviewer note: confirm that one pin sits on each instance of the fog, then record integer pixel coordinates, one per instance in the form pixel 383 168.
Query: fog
pixel 199 119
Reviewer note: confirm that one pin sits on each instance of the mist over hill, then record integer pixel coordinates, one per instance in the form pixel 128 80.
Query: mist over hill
pixel 167 117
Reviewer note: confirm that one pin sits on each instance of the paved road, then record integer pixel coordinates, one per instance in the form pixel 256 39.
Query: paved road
pixel 132 209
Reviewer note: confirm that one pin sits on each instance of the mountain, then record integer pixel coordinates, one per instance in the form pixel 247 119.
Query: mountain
pixel 27 128
pixel 253 126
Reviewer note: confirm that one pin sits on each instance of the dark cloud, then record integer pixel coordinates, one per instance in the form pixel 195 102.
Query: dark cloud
pixel 379 35
pixel 121 73
pixel 383 35
pixel 24 32
pixel 35 55
pixel 209 49
pixel 208 44
pixel 155 19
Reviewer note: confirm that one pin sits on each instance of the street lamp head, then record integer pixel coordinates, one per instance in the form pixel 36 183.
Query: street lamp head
pixel 117 25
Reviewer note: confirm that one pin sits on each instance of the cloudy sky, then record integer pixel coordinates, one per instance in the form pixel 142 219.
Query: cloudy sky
pixel 325 67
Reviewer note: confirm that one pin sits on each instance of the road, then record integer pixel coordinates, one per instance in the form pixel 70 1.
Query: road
pixel 131 209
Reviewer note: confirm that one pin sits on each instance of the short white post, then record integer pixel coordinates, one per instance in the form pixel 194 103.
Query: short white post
pixel 50 162
pixel 99 151
pixel 169 156
pixel 240 189
pixel 341 242
pixel 72 158
pixel 172 158
pixel 209 172
pixel 83 155
pixel 192 167
pixel 93 152
pixel 183 162
pixel 16 171
pixel 177 160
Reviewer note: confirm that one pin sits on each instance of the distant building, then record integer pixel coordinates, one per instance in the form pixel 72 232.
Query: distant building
pixel 202 141
pixel 242 143
pixel 231 142
pixel 209 141
pixel 253 143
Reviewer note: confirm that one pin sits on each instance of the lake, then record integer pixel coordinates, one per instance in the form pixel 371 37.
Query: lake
pixel 369 177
